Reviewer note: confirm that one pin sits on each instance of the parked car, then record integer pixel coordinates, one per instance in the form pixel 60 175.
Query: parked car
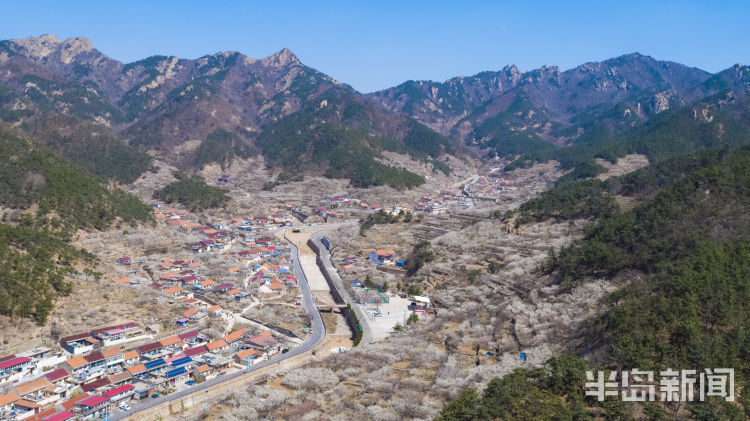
pixel 155 395
pixel 124 406
pixel 285 350
pixel 190 383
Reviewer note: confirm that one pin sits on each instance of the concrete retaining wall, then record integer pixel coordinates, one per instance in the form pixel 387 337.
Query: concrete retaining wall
pixel 332 284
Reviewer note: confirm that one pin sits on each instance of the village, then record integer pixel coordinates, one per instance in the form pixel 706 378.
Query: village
pixel 234 300
pixel 235 288
pixel 106 367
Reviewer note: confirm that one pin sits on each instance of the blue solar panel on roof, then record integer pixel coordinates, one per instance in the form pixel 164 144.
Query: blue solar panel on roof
pixel 176 372
pixel 181 361
pixel 155 363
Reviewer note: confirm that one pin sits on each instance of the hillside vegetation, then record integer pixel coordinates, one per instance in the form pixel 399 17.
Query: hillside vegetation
pixel 33 266
pixel 221 147
pixel 685 253
pixel 35 249
pixel 669 134
pixel 32 175
pixel 300 144
pixel 192 192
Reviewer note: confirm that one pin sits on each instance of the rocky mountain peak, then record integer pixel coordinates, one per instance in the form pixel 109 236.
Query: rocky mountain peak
pixel 37 47
pixel 513 73
pixel 281 59
pixel 48 45
pixel 77 43
pixel 72 47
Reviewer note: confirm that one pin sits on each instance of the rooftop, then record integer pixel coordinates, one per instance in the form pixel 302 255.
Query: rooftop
pixel 93 401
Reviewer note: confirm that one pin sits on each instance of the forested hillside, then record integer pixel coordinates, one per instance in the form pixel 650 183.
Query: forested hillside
pixel 684 252
pixel 343 135
pixel 192 192
pixel 45 199
pixel 708 124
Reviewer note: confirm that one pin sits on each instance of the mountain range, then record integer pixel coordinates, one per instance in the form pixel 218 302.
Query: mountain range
pixel 191 112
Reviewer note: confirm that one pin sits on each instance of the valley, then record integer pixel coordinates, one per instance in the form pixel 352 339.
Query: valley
pixel 231 238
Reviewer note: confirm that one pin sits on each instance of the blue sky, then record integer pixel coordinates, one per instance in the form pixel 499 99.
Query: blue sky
pixel 376 44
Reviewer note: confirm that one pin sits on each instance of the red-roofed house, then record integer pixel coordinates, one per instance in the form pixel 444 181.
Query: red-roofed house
pixel 217 346
pixel 93 405
pixel 60 416
pixel 149 349
pixel 189 337
pixel 120 392
pixel 234 338
pixel 15 364
pixel 224 287
pixel 263 341
pixel 95 385
pixel 198 350
pixel 7 401
pixel 57 375
pixel 70 403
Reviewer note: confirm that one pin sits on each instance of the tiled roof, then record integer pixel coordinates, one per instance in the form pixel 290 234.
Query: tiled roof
pixel 188 335
pixel 96 384
pixel 56 375
pixel 8 399
pixel 26 404
pixel 112 352
pixel 119 377
pixel 93 401
pixel 14 361
pixel 118 390
pixel 263 339
pixel 248 353
pixel 169 341
pixel 195 351
pixel 32 386
pixel 7 357
pixel 216 345
pixel 128 325
pixel 40 416
pixel 129 355
pixel 76 362
pixel 136 369
pixel 172 290
pixel 60 416
pixel 96 356
pixel 72 402
pixel 237 334
pixel 148 347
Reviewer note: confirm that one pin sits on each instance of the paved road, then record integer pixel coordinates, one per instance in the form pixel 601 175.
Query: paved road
pixel 325 257
pixel 312 340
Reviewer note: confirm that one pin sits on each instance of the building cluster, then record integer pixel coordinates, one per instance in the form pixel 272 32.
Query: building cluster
pixel 484 187
pixel 94 372
pixel 428 205
pixel 254 262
